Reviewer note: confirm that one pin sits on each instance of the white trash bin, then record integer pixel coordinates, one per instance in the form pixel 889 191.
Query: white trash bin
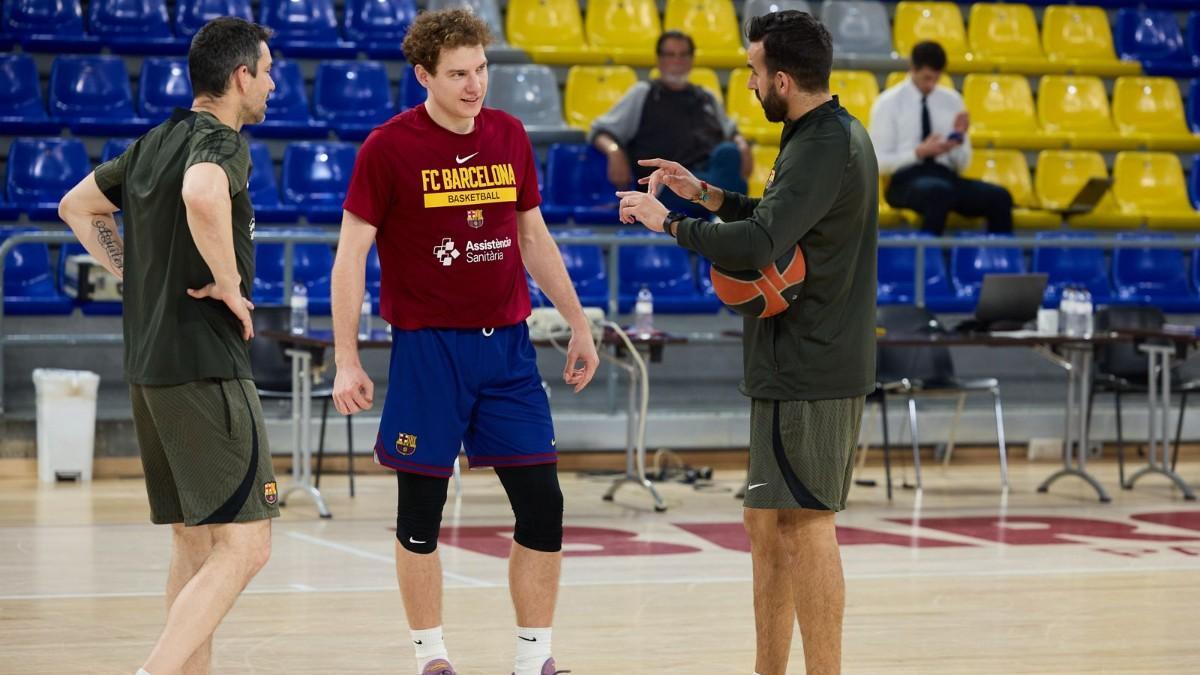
pixel 66 423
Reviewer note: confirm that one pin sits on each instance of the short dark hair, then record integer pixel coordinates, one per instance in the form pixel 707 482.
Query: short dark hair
pixel 674 35
pixel 928 54
pixel 795 43
pixel 219 48
pixel 443 29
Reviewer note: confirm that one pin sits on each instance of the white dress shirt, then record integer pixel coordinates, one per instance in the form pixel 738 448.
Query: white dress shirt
pixel 896 126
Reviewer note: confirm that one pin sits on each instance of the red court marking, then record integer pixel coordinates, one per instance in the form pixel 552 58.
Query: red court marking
pixel 496 540
pixel 1188 520
pixel 1039 530
pixel 733 536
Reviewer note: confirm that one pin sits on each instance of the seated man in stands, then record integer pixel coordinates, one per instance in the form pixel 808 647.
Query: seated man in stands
pixel 920 135
pixel 671 118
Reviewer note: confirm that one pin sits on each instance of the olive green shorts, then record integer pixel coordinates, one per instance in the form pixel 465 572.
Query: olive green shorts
pixel 802 453
pixel 204 452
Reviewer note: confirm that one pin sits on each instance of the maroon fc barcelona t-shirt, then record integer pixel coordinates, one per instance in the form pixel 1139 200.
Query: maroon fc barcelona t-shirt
pixel 445 206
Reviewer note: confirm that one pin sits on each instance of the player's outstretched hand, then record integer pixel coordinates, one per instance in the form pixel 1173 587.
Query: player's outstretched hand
pixel 581 349
pixel 232 297
pixel 671 174
pixel 642 207
pixel 353 390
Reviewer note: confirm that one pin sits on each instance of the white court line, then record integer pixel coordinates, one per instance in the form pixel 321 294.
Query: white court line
pixel 294 588
pixel 469 581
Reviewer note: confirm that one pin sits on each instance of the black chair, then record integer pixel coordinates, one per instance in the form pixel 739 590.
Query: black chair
pixel 1121 370
pixel 272 369
pixel 925 371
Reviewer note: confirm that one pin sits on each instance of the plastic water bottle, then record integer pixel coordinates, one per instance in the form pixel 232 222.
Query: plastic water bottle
pixel 364 321
pixel 1066 307
pixel 299 306
pixel 643 313
pixel 1072 312
pixel 1086 318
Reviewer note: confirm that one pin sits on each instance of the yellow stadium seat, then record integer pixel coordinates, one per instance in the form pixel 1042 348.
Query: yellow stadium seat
pixel 1006 35
pixel 1009 169
pixel 764 164
pixel 744 109
pixel 895 77
pixel 592 90
pixel 1080 40
pixel 701 77
pixel 713 24
pixel 1150 110
pixel 1076 107
pixel 1150 184
pixel 890 216
pixel 1059 176
pixel 939 21
pixel 1001 108
pixel 551 31
pixel 856 91
pixel 625 31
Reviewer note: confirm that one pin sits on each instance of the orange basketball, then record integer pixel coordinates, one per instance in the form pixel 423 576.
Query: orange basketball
pixel 764 292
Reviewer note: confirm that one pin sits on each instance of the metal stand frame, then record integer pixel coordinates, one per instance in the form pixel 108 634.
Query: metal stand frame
pixel 1078 364
pixel 635 435
pixel 301 433
pixel 1158 363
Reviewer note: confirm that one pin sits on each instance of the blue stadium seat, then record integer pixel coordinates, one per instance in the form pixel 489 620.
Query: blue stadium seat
pixel 1150 276
pixel 577 186
pixel 1072 266
pixel 48 26
pixel 353 97
pixel 412 94
pixel 288 115
pixel 191 15
pixel 92 95
pixel 1153 37
pixel 585 264
pixel 29 287
pixel 969 264
pixel 378 26
pixel 669 273
pixel 1193 35
pixel 134 27
pixel 95 307
pixel 1193 99
pixel 315 178
pixel 311 266
pixel 21 108
pixel 305 28
pixel 42 170
pixel 374 277
pixel 1194 182
pixel 896 274
pixel 264 192
pixel 113 147
pixel 163 86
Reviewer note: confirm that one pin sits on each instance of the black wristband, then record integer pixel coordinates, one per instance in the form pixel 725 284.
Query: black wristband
pixel 675 217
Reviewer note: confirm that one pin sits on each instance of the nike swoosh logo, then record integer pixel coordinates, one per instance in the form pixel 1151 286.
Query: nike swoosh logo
pixel 522 637
pixel 460 160
pixel 418 642
pixel 751 487
pixel 414 541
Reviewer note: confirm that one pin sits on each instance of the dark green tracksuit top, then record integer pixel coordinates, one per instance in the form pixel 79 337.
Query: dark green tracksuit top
pixel 824 194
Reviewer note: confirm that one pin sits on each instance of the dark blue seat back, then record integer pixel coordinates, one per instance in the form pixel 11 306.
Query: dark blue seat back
pixel 42 170
pixel 20 93
pixel 305 20
pixel 969 264
pixel 1151 276
pixel 317 173
pixel 1193 100
pixel 412 94
pixel 90 87
pixel 379 21
pixel 1148 35
pixel 29 286
pixel 353 91
pixel 896 271
pixel 1072 266
pixel 191 15
pixel 263 189
pixel 577 176
pixel 132 18
pixel 585 264
pixel 289 101
pixel 113 147
pixel 43 17
pixel 164 85
pixel 665 270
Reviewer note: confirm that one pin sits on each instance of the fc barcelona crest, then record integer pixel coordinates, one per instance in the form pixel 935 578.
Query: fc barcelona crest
pixel 770 179
pixel 475 218
pixel 406 444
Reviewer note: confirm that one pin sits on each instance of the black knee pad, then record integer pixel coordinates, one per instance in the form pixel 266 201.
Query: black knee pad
pixel 537 503
pixel 419 502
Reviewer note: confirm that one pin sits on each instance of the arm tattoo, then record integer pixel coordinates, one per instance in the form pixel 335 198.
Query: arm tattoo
pixel 112 246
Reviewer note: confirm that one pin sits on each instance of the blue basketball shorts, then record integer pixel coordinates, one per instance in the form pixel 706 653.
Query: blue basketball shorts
pixel 464 388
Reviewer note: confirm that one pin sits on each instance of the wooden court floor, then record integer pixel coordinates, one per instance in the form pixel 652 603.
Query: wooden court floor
pixel 957 579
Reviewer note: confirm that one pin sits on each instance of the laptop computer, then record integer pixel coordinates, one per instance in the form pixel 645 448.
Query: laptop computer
pixel 1087 198
pixel 1009 301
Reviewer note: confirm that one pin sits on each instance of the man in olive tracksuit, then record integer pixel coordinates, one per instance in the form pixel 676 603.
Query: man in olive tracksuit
pixel 808 369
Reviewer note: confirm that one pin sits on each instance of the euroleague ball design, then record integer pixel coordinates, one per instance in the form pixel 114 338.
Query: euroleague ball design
pixel 762 293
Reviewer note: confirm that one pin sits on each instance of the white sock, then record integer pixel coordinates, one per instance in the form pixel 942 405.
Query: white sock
pixel 141 671
pixel 428 645
pixel 533 648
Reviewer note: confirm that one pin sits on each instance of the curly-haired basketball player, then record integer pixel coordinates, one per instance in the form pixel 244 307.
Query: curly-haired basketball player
pixel 448 192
